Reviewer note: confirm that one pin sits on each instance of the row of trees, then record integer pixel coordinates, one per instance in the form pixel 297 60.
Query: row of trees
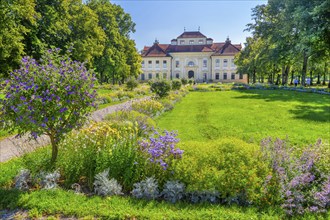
pixel 290 39
pixel 96 31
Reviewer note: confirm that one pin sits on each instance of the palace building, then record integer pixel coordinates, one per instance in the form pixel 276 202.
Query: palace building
pixel 192 55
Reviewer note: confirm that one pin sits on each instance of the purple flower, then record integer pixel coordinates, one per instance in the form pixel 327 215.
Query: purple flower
pixel 63 110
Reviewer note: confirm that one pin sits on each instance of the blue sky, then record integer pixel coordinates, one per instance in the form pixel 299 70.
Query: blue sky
pixel 166 20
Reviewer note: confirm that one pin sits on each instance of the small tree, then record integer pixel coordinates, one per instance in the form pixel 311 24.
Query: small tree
pixel 161 88
pixel 51 97
pixel 132 84
pixel 176 84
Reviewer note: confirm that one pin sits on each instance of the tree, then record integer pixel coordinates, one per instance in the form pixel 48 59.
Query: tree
pixel 13 16
pixel 51 97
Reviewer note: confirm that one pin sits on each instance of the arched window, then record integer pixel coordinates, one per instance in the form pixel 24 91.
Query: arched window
pixel 177 75
pixel 191 63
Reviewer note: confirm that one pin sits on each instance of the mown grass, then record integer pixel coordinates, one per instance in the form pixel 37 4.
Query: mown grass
pixel 251 115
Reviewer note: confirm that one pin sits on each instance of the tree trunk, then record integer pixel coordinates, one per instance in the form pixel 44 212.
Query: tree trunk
pixel 304 69
pixel 283 75
pixel 254 75
pixel 278 79
pixel 113 77
pixel 270 80
pixel 318 78
pixel 54 149
pixel 292 76
pixel 248 78
pixel 311 77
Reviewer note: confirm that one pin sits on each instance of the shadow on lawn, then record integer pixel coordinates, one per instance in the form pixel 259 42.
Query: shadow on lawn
pixel 319 110
pixel 9 198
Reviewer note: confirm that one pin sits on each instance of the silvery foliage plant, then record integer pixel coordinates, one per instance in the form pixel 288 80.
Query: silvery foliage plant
pixel 105 187
pixel 23 179
pixel 49 180
pixel 147 189
pixel 173 191
pixel 203 196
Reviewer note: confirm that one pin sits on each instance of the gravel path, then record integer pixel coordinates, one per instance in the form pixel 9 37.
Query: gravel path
pixel 14 147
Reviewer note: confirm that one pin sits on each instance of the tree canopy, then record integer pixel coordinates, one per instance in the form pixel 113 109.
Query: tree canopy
pixel 287 36
pixel 96 32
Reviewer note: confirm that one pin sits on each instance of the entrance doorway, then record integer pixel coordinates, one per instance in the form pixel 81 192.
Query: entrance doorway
pixel 191 74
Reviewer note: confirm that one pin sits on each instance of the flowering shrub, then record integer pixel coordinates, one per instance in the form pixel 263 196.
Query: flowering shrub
pixel 51 97
pixel 145 124
pixel 148 107
pixel 303 186
pixel 160 152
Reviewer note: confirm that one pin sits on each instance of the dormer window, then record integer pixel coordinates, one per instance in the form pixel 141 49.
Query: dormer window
pixel 191 42
pixel 191 63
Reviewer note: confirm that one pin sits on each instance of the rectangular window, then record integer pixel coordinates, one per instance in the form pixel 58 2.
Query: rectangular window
pixel 225 63
pixel 157 63
pixel 191 42
pixel 142 76
pixel 225 76
pixel 149 64
pixel 200 41
pixel 217 76
pixel 142 63
pixel 233 76
pixel 177 64
pixel 204 63
pixel 217 63
pixel 181 42
pixel 164 64
pixel 150 75
pixel 232 63
pixel 240 76
pixel 164 75
pixel 157 75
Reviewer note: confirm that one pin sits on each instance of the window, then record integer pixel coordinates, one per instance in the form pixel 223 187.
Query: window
pixel 241 76
pixel 191 63
pixel 204 63
pixel 200 41
pixel 164 64
pixel 205 76
pixel 177 75
pixel 142 63
pixel 157 75
pixel 150 75
pixel 191 42
pixel 150 64
pixel 225 63
pixel 157 63
pixel 181 41
pixel 217 76
pixel 225 76
pixel 233 76
pixel 164 75
pixel 232 63
pixel 177 64
pixel 142 76
pixel 217 63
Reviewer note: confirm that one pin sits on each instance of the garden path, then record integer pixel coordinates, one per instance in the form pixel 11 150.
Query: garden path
pixel 14 147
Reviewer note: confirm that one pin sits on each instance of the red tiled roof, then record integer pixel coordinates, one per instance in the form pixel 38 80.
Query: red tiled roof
pixel 161 50
pixel 192 34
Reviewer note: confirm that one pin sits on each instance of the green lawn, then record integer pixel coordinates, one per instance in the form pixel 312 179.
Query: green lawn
pixel 251 115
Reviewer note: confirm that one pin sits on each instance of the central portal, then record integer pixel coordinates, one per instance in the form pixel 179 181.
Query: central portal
pixel 191 74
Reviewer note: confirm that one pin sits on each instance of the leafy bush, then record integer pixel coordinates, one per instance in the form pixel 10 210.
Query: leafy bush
pixel 132 84
pixel 184 81
pixel 160 88
pixel 51 97
pixel 96 148
pixel 146 189
pixel 176 84
pixel 145 124
pixel 105 187
pixel 229 166
pixel 173 191
pixel 148 107
pixel 303 186
pixel 167 103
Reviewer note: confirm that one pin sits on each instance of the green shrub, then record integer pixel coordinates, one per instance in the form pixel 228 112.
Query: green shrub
pixel 145 123
pixel 167 103
pixel 160 88
pixel 230 166
pixel 176 84
pixel 104 99
pixel 148 107
pixel 184 81
pixel 132 84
